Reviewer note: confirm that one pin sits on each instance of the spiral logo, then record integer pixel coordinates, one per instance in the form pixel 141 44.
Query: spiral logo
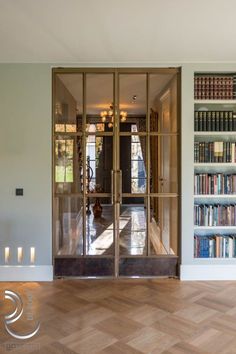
pixel 15 315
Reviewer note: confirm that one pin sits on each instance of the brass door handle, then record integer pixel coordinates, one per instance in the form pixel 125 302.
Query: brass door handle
pixel 119 189
pixel 116 186
pixel 112 187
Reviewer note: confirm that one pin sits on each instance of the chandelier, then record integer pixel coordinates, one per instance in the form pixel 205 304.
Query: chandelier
pixel 109 115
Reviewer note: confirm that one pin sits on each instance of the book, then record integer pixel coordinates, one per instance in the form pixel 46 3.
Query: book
pixel 215 246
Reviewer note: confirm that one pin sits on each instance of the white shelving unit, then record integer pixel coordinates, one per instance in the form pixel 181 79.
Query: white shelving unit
pixel 215 102
pixel 215 196
pixel 202 268
pixel 204 265
pixel 229 228
pixel 215 164
pixel 221 134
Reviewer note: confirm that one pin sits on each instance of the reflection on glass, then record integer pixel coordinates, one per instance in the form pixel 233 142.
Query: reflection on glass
pixel 99 103
pixel 68 128
pixel 69 226
pixel 138 185
pixel 99 226
pixel 164 225
pixel 64 160
pixel 132 229
pixel 68 164
pixel 163 164
pixel 68 108
pixel 99 152
pixel 163 103
pixel 138 169
pixel 95 127
pixel 133 100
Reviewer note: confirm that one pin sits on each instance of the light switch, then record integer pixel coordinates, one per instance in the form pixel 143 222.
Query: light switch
pixel 19 191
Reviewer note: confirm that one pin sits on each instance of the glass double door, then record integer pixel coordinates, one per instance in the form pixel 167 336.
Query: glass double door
pixel 115 198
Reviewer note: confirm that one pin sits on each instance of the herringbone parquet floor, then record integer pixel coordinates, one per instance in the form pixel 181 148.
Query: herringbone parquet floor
pixel 124 316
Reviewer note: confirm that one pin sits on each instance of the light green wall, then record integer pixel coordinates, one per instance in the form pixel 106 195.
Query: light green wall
pixel 25 160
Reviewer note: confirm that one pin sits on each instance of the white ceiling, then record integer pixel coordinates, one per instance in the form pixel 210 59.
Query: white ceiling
pixel 117 31
pixel 99 93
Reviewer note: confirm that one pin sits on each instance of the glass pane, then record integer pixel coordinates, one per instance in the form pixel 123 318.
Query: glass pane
pixel 99 157
pixel 68 108
pixel 164 225
pixel 164 164
pixel 68 164
pixel 163 103
pixel 132 103
pixel 99 226
pixel 136 149
pixel 69 225
pixel 132 227
pixel 93 167
pixel 138 185
pixel 91 151
pixel 99 102
pixel 138 169
pixel 133 163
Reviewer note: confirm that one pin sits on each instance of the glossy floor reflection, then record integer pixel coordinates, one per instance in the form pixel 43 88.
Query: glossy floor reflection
pixel 132 230
pixel 100 234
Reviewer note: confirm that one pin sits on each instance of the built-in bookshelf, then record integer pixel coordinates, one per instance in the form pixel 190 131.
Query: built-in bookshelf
pixel 214 165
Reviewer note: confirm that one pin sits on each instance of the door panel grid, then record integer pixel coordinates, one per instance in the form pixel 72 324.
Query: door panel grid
pixel 123 169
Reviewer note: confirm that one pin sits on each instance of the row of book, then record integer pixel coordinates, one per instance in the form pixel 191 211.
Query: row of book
pixel 213 81
pixel 216 151
pixel 210 121
pixel 214 215
pixel 206 183
pixel 213 87
pixel 215 246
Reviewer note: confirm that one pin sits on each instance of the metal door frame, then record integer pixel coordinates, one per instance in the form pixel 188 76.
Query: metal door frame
pixel 115 193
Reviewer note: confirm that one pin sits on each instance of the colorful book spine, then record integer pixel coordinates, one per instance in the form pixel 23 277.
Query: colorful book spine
pixel 214 215
pixel 215 246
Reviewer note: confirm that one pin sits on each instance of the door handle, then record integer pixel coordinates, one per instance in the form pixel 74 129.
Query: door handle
pixel 112 187
pixel 116 187
pixel 119 187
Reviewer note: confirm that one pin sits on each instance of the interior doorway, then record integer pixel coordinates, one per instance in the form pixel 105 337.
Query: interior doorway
pixel 116 172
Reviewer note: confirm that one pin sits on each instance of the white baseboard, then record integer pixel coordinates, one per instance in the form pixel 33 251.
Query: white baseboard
pixel 208 272
pixel 26 273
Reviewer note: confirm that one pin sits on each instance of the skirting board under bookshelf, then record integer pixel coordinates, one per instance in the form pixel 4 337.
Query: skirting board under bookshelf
pixel 209 269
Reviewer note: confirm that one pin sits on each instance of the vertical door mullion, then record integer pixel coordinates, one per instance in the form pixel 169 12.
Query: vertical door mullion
pixel 116 166
pixel 84 163
pixel 148 166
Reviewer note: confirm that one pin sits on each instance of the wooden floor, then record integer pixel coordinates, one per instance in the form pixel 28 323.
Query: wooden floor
pixel 124 316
